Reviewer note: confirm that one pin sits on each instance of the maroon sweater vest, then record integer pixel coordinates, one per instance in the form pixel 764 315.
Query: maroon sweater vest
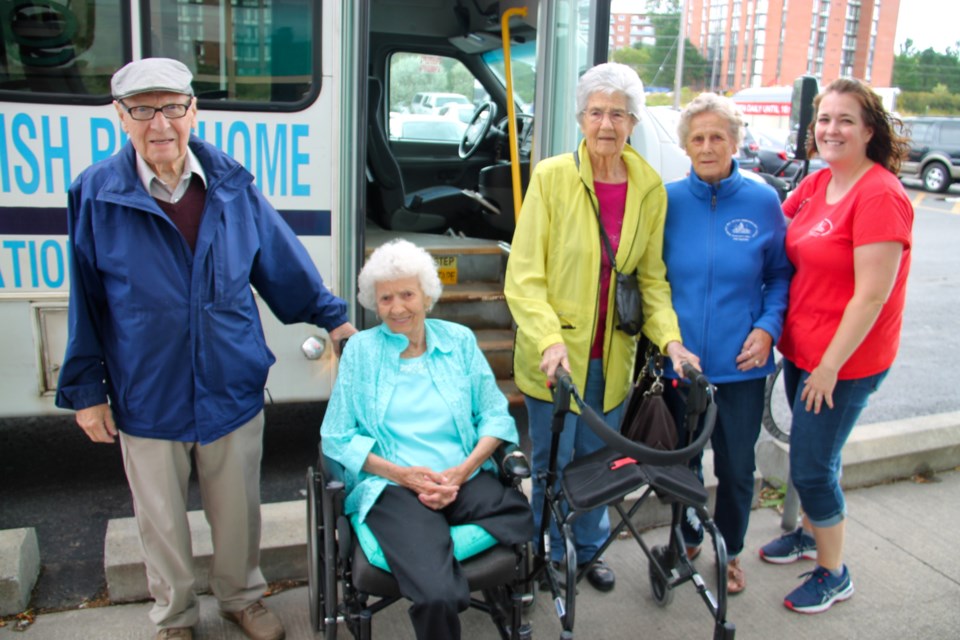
pixel 186 213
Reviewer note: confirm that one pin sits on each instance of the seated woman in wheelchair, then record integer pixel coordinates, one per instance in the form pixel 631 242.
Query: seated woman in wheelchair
pixel 414 418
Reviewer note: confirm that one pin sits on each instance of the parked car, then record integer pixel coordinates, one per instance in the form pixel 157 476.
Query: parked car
pixel 772 153
pixel 934 155
pixel 664 150
pixel 432 101
pixel 749 153
pixel 421 126
pixel 458 110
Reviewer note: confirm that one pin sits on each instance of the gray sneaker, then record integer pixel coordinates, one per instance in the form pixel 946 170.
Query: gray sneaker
pixel 790 547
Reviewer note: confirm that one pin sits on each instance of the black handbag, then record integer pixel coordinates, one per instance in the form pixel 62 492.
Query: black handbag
pixel 626 293
pixel 646 418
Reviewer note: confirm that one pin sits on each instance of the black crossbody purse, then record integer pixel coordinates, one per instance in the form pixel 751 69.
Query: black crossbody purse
pixel 627 302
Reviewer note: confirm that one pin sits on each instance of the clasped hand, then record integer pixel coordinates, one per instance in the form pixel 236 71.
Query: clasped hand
pixel 435 490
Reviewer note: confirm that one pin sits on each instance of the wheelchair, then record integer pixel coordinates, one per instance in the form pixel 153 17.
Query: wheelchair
pixel 605 477
pixel 345 586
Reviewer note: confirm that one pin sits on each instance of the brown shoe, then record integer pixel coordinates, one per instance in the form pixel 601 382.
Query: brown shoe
pixel 175 633
pixel 258 622
pixel 693 552
pixel 736 581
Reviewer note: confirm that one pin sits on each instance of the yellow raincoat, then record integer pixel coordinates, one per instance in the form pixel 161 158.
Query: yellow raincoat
pixel 553 274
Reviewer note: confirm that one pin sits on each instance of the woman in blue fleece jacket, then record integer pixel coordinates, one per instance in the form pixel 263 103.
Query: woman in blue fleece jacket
pixel 729 276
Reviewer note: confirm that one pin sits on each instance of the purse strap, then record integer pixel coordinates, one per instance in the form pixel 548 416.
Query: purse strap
pixel 603 232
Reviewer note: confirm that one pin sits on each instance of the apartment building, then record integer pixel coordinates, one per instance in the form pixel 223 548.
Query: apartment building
pixel 759 43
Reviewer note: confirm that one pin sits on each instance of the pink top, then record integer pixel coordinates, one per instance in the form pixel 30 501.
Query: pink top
pixel 613 200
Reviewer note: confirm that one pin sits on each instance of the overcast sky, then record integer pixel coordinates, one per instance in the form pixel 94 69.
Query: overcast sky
pixel 929 23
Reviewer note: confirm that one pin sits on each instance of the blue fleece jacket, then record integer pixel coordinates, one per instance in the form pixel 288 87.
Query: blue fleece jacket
pixel 727 267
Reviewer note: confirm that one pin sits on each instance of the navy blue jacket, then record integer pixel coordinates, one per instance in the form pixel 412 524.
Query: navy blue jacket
pixel 727 266
pixel 172 337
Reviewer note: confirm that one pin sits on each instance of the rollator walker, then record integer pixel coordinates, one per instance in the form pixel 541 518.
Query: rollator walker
pixel 606 477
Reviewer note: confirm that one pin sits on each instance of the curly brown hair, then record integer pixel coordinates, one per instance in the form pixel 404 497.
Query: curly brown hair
pixel 887 147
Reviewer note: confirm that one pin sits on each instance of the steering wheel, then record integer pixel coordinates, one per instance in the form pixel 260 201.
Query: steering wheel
pixel 526 130
pixel 477 129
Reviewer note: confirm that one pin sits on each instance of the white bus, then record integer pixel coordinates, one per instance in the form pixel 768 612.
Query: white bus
pixel 290 89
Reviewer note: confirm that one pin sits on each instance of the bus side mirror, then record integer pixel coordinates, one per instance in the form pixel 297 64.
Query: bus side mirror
pixel 805 89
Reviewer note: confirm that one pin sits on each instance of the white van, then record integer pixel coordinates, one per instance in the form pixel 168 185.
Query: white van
pixel 432 101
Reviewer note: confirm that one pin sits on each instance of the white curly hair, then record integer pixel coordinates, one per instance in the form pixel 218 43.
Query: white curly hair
pixel 394 260
pixel 610 78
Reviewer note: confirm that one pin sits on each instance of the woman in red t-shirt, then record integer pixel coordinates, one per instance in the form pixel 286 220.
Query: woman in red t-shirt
pixel 849 240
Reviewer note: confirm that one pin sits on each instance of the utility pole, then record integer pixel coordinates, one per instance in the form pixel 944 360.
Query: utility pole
pixel 681 46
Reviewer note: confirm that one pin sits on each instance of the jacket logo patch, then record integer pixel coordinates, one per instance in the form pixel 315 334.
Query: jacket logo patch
pixel 823 228
pixel 741 229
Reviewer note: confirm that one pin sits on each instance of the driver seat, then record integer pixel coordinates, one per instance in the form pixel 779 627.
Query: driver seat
pixel 426 210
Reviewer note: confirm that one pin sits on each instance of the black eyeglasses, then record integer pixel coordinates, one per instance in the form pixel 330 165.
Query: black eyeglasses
pixel 169 111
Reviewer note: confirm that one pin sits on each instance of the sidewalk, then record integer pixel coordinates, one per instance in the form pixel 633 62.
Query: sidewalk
pixel 905 570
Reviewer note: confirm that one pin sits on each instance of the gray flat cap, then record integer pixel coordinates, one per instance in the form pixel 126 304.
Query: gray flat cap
pixel 151 74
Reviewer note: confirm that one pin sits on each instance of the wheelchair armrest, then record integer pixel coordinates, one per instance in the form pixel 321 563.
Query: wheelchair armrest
pixel 512 463
pixel 332 486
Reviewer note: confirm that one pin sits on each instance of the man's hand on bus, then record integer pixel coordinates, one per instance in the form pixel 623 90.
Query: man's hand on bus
pixel 339 334
pixel 97 422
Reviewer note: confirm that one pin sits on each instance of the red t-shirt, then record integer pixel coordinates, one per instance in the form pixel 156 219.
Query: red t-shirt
pixel 820 243
pixel 613 201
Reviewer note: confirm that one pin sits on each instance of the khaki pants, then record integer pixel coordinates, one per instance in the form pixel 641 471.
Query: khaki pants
pixel 229 475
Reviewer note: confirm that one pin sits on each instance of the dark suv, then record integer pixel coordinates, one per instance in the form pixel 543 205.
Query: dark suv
pixel 934 151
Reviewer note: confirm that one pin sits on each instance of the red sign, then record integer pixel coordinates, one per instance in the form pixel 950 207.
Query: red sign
pixel 429 64
pixel 765 108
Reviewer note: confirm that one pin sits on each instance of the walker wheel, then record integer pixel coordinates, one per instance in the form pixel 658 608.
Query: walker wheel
pixel 662 593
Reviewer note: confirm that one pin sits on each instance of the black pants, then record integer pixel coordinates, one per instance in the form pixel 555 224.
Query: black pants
pixel 416 543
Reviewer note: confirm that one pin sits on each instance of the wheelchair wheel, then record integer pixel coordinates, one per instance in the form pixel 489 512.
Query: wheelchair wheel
pixel 314 568
pixel 662 593
pixel 322 605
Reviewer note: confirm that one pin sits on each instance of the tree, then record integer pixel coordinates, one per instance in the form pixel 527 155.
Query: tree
pixel 656 64
pixel 915 70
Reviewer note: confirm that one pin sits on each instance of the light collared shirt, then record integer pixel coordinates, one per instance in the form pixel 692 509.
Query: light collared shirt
pixel 156 187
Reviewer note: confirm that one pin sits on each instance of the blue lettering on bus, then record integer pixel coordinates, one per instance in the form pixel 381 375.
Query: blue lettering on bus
pixel 239 129
pixel 272 152
pixel 32 261
pixel 23 121
pixel 4 158
pixel 14 247
pixel 59 152
pixel 53 278
pixel 103 139
pixel 267 162
pixel 298 131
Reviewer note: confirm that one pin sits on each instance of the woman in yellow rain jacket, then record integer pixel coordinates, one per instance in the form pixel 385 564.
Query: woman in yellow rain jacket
pixel 559 284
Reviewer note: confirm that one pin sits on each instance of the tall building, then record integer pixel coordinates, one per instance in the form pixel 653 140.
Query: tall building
pixel 759 43
pixel 626 29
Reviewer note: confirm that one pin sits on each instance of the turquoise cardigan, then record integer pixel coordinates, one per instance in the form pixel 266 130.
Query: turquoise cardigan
pixel 353 424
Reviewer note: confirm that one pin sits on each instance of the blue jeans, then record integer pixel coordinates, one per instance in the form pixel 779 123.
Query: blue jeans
pixel 590 529
pixel 739 414
pixel 817 439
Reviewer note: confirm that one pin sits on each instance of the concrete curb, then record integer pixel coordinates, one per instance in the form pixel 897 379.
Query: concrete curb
pixel 875 453
pixel 19 568
pixel 882 451
pixel 282 550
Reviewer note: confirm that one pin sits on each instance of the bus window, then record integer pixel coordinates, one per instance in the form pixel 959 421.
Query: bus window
pixel 268 55
pixel 523 63
pixel 49 47
pixel 430 97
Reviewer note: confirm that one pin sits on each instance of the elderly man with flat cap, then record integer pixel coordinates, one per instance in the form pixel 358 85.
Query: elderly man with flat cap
pixel 165 344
